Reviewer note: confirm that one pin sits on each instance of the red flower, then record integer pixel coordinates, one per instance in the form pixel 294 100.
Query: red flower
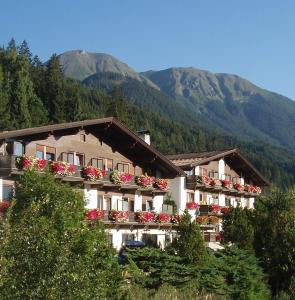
pixel 225 210
pixel 215 208
pixel 4 205
pixel 192 205
pixel 145 216
pixel 41 164
pixel 163 218
pixel 161 184
pixel 95 214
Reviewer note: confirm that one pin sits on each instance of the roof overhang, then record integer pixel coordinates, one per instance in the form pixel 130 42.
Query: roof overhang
pixel 107 130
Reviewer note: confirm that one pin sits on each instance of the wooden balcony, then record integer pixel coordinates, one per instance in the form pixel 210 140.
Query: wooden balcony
pixel 193 183
pixel 8 169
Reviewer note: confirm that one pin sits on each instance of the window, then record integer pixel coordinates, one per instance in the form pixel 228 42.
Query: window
pixel 236 180
pixel 7 192
pixel 83 137
pixel 128 237
pixel 70 158
pixel 123 167
pixel 150 240
pixel 98 163
pixel 147 205
pixel 107 203
pixel 79 159
pixel 100 201
pixel 131 205
pixel 226 177
pixel 189 172
pixel 190 197
pixel 227 202
pixel 44 152
pixel 213 174
pixel 19 149
pixel 50 153
pixel 203 171
pixel 110 165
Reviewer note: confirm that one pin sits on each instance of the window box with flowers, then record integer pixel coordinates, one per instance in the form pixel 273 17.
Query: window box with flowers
pixel 213 220
pixel 204 179
pixel 92 174
pixel 118 216
pixel 145 181
pixel 225 210
pixel 161 184
pixel 163 218
pixel 62 168
pixel 257 190
pixel 239 187
pixel 120 177
pixel 176 219
pixel 202 220
pixel 144 216
pixel 192 205
pixel 95 214
pixel 227 184
pixel 215 208
pixel 30 163
pixel 4 205
pixel 216 183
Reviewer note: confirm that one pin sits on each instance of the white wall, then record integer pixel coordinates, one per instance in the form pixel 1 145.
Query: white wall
pixel 90 196
pixel 137 201
pixel 178 192
pixel 221 166
pixel 158 202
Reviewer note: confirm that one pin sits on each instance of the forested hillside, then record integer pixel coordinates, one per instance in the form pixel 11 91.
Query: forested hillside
pixel 33 94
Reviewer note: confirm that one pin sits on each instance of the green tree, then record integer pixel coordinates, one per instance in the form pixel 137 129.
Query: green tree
pixel 49 251
pixel 238 227
pixel 190 244
pixel 275 237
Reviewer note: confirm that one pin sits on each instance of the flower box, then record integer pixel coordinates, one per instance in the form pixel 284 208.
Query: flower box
pixel 62 168
pixel 214 208
pixel 176 219
pixel 161 184
pixel 163 218
pixel 118 216
pixel 192 205
pixel 227 184
pixel 225 210
pixel 239 187
pixel 206 180
pixel 30 163
pixel 92 174
pixel 202 220
pixel 144 216
pixel 216 182
pixel 95 214
pixel 145 181
pixel 257 190
pixel 120 177
pixel 213 220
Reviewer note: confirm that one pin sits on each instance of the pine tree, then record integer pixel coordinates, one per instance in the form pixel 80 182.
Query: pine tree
pixel 190 244
pixel 55 97
pixel 24 50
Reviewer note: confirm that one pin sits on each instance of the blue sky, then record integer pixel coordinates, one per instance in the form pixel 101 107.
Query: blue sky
pixel 254 39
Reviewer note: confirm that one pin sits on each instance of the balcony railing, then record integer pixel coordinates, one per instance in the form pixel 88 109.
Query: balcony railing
pixel 215 185
pixel 9 166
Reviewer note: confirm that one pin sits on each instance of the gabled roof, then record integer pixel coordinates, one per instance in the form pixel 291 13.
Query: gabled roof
pixel 108 130
pixel 232 157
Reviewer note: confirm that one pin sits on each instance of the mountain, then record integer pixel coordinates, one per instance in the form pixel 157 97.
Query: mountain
pixel 223 103
pixel 80 64
pixel 231 103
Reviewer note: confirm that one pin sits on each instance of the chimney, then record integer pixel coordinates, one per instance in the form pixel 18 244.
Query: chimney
pixel 145 135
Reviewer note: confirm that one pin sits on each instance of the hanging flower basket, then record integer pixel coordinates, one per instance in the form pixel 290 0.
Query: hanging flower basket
pixel 192 205
pixel 30 163
pixel 145 181
pixel 120 177
pixel 144 216
pixel 227 184
pixel 239 187
pixel 92 174
pixel 95 214
pixel 163 218
pixel 62 168
pixel 161 184
pixel 118 216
